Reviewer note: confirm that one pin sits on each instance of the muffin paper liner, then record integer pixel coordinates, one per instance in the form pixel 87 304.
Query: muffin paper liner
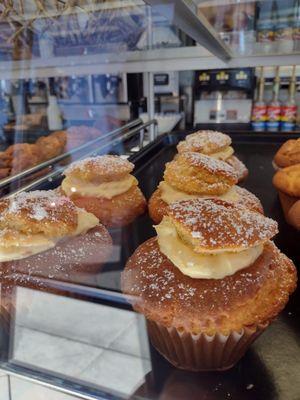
pixel 202 352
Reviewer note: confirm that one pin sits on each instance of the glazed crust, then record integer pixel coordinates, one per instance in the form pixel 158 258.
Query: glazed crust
pixel 288 180
pixel 119 211
pixel 100 169
pixel 158 208
pixel 251 296
pixel 84 252
pixel 196 173
pixel 288 154
pixel 206 142
pixel 239 167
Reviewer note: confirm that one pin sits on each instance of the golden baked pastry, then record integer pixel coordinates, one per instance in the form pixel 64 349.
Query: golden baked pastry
pixel 158 208
pixel 288 154
pixel 163 294
pixel 196 173
pixel 50 146
pixel 23 156
pixel 120 210
pixel 61 136
pixel 206 142
pixel 4 172
pixel 104 186
pixel 294 215
pixel 239 167
pixel 214 144
pixel 212 270
pixel 39 212
pixel 41 229
pixel 100 169
pixel 287 180
pixel 212 224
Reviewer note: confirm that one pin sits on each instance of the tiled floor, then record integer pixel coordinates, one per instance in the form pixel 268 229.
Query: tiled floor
pixel 82 340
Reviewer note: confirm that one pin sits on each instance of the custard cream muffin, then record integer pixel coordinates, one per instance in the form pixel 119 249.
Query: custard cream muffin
pixel 287 183
pixel 288 154
pixel 193 175
pixel 42 230
pixel 214 144
pixel 209 283
pixel 104 186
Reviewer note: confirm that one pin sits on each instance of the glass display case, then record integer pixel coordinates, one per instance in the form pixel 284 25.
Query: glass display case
pixel 86 78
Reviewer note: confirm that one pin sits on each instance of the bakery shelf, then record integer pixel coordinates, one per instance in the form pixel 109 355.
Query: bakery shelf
pixel 173 59
pixel 188 16
pixel 259 375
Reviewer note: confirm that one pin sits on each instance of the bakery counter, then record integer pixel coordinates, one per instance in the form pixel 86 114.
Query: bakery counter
pixel 268 371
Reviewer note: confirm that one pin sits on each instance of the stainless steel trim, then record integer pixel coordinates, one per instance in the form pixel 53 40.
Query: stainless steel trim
pixel 24 373
pixel 6 181
pixel 125 136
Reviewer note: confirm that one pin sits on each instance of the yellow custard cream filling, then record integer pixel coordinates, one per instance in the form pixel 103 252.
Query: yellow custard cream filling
pixel 169 195
pixel 28 245
pixel 71 185
pixel 223 154
pixel 201 266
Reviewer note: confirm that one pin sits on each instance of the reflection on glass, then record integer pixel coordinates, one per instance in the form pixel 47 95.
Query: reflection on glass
pixel 255 27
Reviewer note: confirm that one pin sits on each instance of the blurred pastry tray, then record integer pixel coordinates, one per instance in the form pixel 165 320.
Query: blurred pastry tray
pixel 256 151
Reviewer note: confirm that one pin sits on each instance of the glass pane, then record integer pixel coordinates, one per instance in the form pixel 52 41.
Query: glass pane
pixel 255 27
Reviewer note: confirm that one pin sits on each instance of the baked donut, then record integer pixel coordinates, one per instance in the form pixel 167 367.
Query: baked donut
pixel 41 231
pixel 212 270
pixel 104 186
pixel 288 154
pixel 214 144
pixel 193 175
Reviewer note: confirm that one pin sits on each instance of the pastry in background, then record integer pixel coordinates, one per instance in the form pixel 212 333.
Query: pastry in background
pixel 42 231
pixel 210 282
pixel 288 154
pixel 23 156
pixel 294 215
pixel 213 144
pixel 194 175
pixel 79 135
pixel 104 186
pixel 50 147
pixel 287 183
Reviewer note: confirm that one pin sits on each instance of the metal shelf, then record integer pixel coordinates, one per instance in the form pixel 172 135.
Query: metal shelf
pixel 175 59
pixel 210 54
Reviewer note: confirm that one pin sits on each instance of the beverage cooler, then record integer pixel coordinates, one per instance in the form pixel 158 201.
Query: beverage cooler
pixel 150 199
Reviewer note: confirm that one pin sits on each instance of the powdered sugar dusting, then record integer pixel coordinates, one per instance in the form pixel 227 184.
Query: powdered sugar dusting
pixel 38 204
pixel 108 164
pixel 210 164
pixel 217 224
pixel 150 276
pixel 206 141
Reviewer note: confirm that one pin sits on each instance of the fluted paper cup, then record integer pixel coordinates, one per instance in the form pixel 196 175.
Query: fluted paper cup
pixel 202 352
